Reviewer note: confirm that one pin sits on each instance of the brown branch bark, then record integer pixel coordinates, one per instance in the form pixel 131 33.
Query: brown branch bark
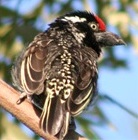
pixel 25 112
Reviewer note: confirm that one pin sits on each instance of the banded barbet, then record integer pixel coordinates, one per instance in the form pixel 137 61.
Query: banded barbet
pixel 58 70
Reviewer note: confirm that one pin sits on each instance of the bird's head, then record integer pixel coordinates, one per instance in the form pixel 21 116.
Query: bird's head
pixel 90 30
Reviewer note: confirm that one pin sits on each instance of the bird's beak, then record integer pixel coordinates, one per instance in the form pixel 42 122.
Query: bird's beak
pixel 108 39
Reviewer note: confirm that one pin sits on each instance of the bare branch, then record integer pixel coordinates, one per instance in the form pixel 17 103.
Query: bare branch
pixel 26 113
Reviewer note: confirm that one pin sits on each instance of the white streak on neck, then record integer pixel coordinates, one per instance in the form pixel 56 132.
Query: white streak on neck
pixel 75 19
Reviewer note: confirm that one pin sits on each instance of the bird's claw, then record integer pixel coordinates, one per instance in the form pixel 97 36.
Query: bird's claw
pixel 21 98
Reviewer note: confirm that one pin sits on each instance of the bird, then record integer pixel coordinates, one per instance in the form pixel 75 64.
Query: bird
pixel 58 71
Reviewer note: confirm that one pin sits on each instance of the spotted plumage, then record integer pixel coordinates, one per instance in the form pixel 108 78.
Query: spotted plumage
pixel 58 70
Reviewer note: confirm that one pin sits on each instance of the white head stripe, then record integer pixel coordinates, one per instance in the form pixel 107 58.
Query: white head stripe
pixel 75 19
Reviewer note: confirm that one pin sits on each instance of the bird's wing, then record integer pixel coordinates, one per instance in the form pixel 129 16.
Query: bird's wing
pixel 28 71
pixel 86 80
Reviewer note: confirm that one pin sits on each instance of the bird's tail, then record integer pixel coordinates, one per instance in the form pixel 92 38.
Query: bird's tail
pixel 54 118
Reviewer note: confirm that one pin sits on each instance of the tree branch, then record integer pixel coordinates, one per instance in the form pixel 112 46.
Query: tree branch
pixel 25 112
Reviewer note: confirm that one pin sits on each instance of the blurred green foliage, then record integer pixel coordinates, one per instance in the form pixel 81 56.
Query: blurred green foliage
pixel 21 20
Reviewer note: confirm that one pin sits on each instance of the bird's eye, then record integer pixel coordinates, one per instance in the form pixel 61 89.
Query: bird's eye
pixel 94 26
